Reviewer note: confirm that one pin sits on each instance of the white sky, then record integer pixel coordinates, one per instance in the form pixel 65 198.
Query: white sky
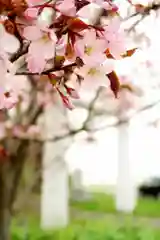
pixel 99 160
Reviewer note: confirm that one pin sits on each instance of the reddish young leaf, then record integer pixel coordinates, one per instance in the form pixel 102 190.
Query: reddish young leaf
pixel 76 25
pixel 114 83
pixel 108 54
pixel 129 53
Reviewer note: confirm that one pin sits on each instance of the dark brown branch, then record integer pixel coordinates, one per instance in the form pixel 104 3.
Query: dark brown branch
pixel 46 72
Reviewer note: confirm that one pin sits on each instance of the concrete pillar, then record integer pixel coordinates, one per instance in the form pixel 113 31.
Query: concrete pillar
pixel 55 189
pixel 125 189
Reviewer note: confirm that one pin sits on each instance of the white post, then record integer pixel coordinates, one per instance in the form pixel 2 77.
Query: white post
pixel 54 198
pixel 77 192
pixel 126 192
pixel 77 180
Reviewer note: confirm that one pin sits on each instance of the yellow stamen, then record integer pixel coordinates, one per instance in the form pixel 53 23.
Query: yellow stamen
pixel 92 71
pixel 88 50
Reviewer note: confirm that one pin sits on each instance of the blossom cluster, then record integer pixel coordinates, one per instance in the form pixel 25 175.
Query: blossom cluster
pixel 67 41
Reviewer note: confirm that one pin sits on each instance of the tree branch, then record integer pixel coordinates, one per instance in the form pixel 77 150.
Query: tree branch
pixel 146 11
pixel 46 72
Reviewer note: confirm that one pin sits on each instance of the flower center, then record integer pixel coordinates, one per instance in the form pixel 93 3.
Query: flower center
pixel 92 71
pixel 46 37
pixel 88 50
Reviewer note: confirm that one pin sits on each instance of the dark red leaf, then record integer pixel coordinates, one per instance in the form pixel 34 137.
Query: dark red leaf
pixel 108 54
pixel 76 25
pixel 129 53
pixel 114 83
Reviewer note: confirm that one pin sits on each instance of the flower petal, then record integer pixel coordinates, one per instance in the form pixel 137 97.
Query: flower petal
pixel 32 33
pixel 13 45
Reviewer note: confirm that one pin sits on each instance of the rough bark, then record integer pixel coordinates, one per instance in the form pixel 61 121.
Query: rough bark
pixel 5 216
pixel 11 170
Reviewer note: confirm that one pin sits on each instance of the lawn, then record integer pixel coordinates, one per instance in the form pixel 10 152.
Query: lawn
pixel 101 202
pixel 96 224
pixel 90 230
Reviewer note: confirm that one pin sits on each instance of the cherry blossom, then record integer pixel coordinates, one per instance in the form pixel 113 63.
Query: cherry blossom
pixel 42 46
pixel 61 41
pixel 95 75
pixel 115 38
pixel 90 48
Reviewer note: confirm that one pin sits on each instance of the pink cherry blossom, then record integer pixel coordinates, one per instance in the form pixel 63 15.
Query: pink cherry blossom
pixel 42 46
pixel 115 38
pixel 56 34
pixel 90 48
pixel 67 7
pixel 95 75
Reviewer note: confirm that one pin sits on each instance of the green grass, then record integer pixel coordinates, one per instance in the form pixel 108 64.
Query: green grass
pixel 104 203
pixel 119 227
pixel 148 207
pixel 89 230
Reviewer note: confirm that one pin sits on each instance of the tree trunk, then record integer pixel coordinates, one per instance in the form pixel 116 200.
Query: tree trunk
pixel 5 217
pixel 10 174
pixel 5 220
